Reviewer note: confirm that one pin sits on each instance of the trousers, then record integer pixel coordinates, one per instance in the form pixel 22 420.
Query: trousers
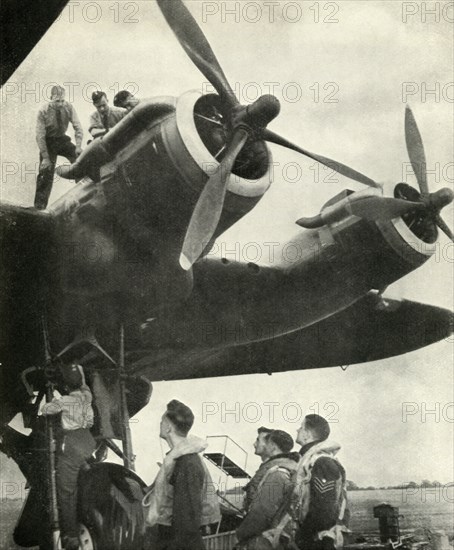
pixel 56 146
pixel 77 447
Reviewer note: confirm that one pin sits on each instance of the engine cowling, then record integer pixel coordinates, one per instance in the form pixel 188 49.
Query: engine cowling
pixel 154 164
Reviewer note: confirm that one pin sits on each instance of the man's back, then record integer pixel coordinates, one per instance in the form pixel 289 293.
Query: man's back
pixel 326 487
pixel 319 497
pixel 188 482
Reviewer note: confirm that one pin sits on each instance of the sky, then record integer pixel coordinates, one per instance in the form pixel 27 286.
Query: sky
pixel 344 72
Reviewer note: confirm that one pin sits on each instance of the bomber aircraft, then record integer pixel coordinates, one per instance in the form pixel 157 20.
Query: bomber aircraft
pixel 156 306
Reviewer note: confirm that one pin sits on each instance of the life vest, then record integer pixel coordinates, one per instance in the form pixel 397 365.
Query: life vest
pixel 297 509
pixel 285 466
pixel 164 489
pixel 254 485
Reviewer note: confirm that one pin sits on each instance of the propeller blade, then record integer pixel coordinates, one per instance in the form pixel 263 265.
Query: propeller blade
pixel 415 150
pixel 442 225
pixel 196 46
pixel 382 208
pixel 337 166
pixel 208 210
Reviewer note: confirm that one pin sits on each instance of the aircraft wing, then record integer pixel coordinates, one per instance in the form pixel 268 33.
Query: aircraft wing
pixel 370 330
pixel 23 24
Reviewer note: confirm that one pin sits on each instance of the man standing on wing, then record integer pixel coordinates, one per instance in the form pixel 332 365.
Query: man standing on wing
pixel 51 127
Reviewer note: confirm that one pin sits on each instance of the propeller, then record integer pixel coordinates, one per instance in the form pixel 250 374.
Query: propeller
pixel 415 150
pixel 333 164
pixel 248 123
pixel 374 207
pixel 244 122
pixel 208 210
pixel 432 202
pixel 442 225
pixel 197 47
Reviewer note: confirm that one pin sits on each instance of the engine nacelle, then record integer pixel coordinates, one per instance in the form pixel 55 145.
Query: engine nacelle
pixel 396 247
pixel 154 164
pixel 315 274
pixel 126 229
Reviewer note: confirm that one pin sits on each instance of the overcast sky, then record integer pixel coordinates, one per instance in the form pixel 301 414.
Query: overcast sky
pixel 344 72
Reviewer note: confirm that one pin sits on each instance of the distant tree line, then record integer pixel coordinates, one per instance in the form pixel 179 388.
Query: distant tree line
pixel 352 486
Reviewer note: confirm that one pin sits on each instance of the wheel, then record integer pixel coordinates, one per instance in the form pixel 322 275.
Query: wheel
pixel 86 541
pixel 110 508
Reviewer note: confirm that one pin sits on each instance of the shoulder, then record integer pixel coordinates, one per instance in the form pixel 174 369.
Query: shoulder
pixel 189 460
pixel 190 463
pixel 188 468
pixel 86 393
pixel 284 463
pixel 65 400
pixel 83 394
pixel 278 476
pixel 282 471
pixel 69 107
pixel 327 467
pixel 118 113
pixel 43 109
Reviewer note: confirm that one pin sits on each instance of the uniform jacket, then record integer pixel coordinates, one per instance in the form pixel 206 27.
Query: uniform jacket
pixel 187 498
pixel 96 124
pixel 47 125
pixel 266 492
pixel 76 409
pixel 319 491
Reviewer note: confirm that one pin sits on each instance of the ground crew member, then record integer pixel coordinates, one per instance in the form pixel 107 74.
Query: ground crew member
pixel 105 117
pixel 125 100
pixel 77 446
pixel 51 126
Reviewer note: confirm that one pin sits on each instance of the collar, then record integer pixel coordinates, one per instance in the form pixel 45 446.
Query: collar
pixel 291 456
pixel 327 447
pixel 308 446
pixel 190 445
pixel 55 107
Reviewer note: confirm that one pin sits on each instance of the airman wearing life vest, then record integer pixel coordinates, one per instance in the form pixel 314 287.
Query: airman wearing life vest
pixel 273 489
pixel 314 517
pixel 320 488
